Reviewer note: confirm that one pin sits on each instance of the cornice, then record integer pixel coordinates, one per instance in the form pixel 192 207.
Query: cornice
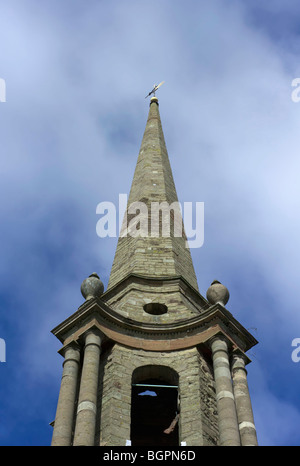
pixel 154 337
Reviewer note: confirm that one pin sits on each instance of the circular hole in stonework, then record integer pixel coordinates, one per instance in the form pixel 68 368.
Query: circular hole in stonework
pixel 155 309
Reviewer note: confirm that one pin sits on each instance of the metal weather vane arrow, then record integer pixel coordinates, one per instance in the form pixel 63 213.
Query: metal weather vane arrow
pixel 156 86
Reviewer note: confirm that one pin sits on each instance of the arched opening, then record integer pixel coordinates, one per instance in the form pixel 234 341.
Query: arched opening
pixel 154 407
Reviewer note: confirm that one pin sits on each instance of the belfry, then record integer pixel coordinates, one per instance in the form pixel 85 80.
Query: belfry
pixel 150 361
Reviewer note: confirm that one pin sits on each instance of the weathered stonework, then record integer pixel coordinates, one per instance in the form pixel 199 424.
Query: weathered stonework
pixel 152 325
pixel 153 182
pixel 182 303
pixel 198 419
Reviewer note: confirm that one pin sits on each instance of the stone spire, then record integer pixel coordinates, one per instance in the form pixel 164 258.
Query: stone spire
pixel 145 248
pixel 153 326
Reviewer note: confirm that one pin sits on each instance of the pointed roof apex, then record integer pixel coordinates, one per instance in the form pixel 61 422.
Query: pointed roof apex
pixel 143 247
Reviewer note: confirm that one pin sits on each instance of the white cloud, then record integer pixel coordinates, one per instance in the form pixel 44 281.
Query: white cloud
pixel 72 125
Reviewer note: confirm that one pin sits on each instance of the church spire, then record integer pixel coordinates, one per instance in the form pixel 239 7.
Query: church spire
pixel 146 248
pixel 152 327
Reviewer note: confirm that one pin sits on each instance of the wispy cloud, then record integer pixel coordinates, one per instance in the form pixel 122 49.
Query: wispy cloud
pixel 71 128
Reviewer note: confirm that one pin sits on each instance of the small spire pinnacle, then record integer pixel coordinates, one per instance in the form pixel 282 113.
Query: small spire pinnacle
pixel 153 99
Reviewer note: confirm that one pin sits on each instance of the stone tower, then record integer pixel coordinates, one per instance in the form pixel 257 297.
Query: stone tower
pixel 150 361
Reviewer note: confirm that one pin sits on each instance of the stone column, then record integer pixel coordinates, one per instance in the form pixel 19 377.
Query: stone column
pixel 243 402
pixel 227 417
pixel 64 419
pixel 87 401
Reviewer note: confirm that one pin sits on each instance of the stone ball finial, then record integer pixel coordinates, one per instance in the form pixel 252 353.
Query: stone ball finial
pixel 92 287
pixel 217 293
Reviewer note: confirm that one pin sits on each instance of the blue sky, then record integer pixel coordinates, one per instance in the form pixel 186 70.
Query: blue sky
pixel 76 76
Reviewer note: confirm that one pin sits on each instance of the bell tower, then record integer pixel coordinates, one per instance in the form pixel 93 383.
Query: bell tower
pixel 149 361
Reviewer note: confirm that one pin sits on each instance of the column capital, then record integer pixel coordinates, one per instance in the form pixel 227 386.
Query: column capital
pixel 218 341
pixel 93 336
pixel 70 351
pixel 238 361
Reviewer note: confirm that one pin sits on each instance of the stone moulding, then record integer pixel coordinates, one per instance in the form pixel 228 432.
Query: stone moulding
pixel 162 287
pixel 154 337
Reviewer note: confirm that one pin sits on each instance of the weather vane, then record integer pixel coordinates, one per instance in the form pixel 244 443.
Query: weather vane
pixel 154 89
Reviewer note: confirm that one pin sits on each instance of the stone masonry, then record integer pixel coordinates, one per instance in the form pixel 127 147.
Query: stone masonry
pixel 199 424
pixel 153 182
pixel 152 324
